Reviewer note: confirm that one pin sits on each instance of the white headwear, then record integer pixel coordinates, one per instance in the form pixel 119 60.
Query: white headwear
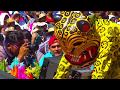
pixel 2 17
pixel 42 15
pixel 51 29
pixel 16 12
pixel 111 16
pixel 34 29
pixel 10 12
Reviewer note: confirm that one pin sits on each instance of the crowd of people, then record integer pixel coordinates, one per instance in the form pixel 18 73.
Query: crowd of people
pixel 27 39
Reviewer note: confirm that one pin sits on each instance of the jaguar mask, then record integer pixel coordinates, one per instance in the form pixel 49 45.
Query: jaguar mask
pixel 79 40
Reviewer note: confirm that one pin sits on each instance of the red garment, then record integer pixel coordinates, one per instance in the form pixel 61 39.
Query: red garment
pixel 49 19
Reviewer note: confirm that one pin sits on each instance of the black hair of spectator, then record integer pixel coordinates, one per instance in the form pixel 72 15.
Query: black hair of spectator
pixel 85 13
pixel 49 34
pixel 49 13
pixel 31 14
pixel 1 28
pixel 43 19
pixel 10 24
pixel 14 37
pixel 116 13
pixel 27 34
pixel 42 30
pixel 16 16
pixel 1 38
pixel 96 11
pixel 103 15
pixel 5 19
pixel 17 27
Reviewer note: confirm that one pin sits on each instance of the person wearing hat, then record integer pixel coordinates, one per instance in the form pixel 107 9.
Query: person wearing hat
pixel 49 18
pixel 37 35
pixel 3 17
pixel 54 50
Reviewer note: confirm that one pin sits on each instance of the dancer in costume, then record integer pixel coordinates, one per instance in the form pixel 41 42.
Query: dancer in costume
pixel 84 43
pixel 79 41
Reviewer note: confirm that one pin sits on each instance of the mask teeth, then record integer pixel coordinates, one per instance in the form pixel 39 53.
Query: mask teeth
pixel 69 54
pixel 84 57
pixel 72 59
pixel 90 53
pixel 75 58
pixel 79 56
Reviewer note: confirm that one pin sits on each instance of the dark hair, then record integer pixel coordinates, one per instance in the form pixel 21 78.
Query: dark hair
pixel 104 16
pixel 16 15
pixel 14 37
pixel 5 19
pixel 17 27
pixel 1 28
pixel 1 38
pixel 43 19
pixel 27 34
pixel 10 24
pixel 31 14
pixel 50 13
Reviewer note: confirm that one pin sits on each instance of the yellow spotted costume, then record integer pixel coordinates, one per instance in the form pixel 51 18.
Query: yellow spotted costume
pixel 109 53
pixel 87 43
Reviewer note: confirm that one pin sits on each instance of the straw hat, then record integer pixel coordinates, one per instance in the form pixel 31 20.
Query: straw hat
pixel 42 15
pixel 51 29
pixel 9 20
pixel 10 29
pixel 16 12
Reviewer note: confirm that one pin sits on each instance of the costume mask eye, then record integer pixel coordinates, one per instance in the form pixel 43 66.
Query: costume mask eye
pixel 83 26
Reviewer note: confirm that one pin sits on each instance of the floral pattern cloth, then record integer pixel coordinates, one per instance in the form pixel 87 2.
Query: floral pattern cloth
pixel 21 71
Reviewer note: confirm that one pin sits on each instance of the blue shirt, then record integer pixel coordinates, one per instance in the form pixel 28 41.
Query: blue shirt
pixel 48 54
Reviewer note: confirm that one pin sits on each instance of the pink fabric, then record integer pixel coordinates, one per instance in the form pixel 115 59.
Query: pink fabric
pixel 22 74
pixel 1 12
pixel 21 19
pixel 30 26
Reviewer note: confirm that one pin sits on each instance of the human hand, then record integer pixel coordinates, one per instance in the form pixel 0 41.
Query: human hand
pixel 23 51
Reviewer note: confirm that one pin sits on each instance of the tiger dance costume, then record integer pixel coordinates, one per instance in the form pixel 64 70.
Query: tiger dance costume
pixel 85 43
